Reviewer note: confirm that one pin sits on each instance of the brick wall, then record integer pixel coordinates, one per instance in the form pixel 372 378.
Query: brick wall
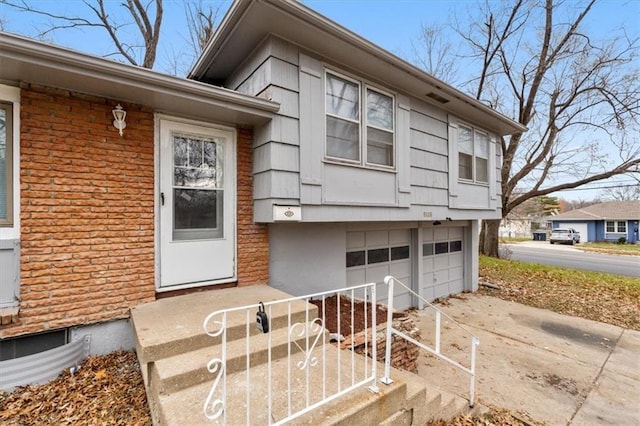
pixel 404 354
pixel 87 210
pixel 253 239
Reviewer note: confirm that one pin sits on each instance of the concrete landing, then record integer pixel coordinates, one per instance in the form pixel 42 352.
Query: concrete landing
pixel 559 369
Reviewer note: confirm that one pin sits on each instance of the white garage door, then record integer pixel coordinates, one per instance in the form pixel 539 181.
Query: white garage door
pixel 443 262
pixel 580 227
pixel 372 255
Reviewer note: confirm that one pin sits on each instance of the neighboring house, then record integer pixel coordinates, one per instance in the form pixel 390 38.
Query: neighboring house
pixel 515 227
pixel 603 222
pixel 297 155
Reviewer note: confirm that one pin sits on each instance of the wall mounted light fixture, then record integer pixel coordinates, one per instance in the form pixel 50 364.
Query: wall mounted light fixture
pixel 119 115
pixel 436 223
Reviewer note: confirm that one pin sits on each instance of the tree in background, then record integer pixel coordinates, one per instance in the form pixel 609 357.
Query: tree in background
pixel 622 193
pixel 578 96
pixel 138 47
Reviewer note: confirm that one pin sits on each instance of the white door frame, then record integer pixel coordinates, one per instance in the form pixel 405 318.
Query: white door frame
pixel 231 173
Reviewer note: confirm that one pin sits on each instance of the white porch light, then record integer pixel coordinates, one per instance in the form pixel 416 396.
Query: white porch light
pixel 119 115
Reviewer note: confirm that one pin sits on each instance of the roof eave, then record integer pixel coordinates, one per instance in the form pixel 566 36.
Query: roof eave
pixel 240 8
pixel 23 59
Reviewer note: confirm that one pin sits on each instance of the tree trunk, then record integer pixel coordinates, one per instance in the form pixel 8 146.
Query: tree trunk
pixel 489 237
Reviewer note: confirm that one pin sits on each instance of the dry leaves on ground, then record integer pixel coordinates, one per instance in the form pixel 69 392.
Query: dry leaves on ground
pixel 495 417
pixel 107 390
pixel 600 297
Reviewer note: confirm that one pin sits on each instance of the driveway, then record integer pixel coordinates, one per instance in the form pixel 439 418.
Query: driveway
pixel 558 369
pixel 571 257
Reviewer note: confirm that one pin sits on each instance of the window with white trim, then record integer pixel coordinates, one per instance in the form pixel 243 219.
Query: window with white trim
pixel 616 226
pixel 356 112
pixel 6 164
pixel 473 155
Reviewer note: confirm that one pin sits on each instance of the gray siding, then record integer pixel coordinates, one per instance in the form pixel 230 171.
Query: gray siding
pixel 289 161
pixel 9 273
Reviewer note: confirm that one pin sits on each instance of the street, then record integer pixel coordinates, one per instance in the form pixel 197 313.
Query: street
pixel 571 257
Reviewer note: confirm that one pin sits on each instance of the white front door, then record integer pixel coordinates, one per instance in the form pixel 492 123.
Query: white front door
pixel 197 204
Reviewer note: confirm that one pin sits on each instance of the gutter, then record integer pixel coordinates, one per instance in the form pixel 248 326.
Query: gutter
pixel 28 51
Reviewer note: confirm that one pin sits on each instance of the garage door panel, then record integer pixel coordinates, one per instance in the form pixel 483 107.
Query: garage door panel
pixel 440 263
pixel 427 264
pixel 355 240
pixel 456 286
pixel 400 269
pixel 399 237
pixel 377 238
pixel 443 272
pixel 441 290
pixel 356 276
pixel 456 259
pixel 442 276
pixel 429 293
pixel 377 273
pixel 456 273
pixel 441 234
pixel 455 233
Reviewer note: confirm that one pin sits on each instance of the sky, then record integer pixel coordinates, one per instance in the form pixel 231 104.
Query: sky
pixel 392 24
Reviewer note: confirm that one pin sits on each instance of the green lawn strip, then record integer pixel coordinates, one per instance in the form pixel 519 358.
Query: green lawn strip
pixel 600 297
pixel 610 248
pixel 506 240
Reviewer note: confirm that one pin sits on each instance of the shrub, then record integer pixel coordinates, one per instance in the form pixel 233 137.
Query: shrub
pixel 622 240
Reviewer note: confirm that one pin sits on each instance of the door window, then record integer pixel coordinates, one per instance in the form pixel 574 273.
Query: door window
pixel 198 187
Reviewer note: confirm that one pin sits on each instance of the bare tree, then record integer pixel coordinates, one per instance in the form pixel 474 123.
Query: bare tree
pixel 628 192
pixel 579 97
pixel 138 50
pixel 434 52
pixel 201 23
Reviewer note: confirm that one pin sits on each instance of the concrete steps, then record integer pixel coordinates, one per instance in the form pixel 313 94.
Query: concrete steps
pixel 174 350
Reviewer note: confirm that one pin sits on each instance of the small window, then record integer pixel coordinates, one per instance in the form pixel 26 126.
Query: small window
pixel 455 246
pixel 622 226
pixel 427 249
pixel 377 256
pixel 343 118
pixel 356 113
pixel 6 164
pixel 611 226
pixel 442 248
pixel 355 258
pixel 398 253
pixel 473 155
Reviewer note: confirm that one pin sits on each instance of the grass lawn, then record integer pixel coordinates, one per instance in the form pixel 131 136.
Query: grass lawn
pixel 600 297
pixel 508 240
pixel 611 248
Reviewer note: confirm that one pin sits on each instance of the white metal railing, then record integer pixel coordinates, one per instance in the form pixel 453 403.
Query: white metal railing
pixel 288 385
pixel 436 349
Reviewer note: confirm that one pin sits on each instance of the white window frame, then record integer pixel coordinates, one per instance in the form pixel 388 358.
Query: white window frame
pixel 616 226
pixel 9 229
pixel 474 131
pixel 362 122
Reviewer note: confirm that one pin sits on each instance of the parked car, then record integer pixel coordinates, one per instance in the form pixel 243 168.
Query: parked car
pixel 565 235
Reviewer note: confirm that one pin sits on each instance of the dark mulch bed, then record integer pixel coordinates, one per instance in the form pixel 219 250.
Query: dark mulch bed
pixel 359 313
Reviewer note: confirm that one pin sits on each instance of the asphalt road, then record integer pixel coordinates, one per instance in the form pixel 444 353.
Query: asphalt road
pixel 569 257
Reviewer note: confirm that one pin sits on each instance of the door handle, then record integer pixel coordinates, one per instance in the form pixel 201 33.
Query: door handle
pixel 162 198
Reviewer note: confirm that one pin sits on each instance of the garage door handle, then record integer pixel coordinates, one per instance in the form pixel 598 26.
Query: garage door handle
pixel 162 198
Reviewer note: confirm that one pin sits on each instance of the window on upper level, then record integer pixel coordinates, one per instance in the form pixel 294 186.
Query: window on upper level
pixel 473 155
pixel 614 226
pixel 356 112
pixel 6 164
